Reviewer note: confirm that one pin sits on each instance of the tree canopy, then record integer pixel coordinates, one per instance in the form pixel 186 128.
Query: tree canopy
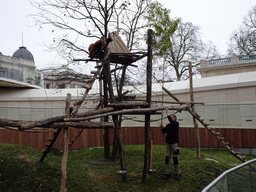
pixel 178 43
pixel 243 40
pixel 164 27
pixel 78 23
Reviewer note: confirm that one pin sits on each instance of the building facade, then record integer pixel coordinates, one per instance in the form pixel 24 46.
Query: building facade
pixel 63 77
pixel 19 68
pixel 226 66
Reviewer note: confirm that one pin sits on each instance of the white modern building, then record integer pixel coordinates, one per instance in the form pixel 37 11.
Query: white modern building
pixel 229 99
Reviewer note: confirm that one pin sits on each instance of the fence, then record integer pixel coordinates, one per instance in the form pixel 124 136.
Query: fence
pixel 238 138
pixel 239 178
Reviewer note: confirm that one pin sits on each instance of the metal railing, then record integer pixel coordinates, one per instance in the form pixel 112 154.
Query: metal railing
pixel 241 178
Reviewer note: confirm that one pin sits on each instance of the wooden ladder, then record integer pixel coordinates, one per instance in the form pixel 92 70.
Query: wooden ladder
pixel 90 83
pixel 211 130
pixel 77 105
pixel 217 136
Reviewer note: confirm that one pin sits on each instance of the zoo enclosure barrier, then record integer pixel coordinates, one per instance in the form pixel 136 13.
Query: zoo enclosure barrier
pixel 239 178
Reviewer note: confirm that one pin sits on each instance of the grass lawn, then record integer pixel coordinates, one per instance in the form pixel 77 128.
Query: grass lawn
pixel 20 170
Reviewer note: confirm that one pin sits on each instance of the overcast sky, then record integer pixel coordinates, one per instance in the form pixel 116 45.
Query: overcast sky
pixel 217 19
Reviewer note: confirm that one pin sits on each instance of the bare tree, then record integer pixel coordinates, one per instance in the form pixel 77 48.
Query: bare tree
pixel 243 40
pixel 81 22
pixel 187 46
pixel 78 21
pixel 61 77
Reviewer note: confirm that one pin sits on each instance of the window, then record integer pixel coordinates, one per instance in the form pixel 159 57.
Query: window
pixel 2 73
pixel 14 74
pixel 47 86
pixel 72 86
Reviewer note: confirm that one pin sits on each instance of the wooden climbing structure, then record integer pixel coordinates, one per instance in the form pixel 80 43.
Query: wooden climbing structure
pixel 111 107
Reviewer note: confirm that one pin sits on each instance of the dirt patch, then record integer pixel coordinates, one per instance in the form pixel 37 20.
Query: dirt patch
pixel 89 171
pixel 26 158
pixel 211 169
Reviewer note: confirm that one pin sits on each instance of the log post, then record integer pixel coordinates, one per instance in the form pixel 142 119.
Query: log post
pixel 193 109
pixel 103 103
pixel 63 187
pixel 147 156
pixel 117 130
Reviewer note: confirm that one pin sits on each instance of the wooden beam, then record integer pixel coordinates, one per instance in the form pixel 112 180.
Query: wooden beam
pixel 121 67
pixel 129 104
pixel 51 122
pixel 169 93
pixel 11 123
pixel 25 125
pixel 173 102
pixel 95 112
pixel 128 111
pixel 84 125
pixel 41 123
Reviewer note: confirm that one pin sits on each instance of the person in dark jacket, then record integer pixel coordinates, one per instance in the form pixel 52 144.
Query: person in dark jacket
pixel 172 145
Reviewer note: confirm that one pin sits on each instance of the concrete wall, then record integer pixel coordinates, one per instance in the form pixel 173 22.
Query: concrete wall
pixel 230 101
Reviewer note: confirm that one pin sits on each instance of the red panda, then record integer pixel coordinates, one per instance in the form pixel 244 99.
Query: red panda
pixel 95 49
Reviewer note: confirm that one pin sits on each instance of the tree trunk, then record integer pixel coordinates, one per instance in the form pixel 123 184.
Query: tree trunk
pixel 63 187
pixel 147 156
pixel 105 104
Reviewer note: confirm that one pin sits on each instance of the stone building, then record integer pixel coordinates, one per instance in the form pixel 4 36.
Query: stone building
pixel 19 70
pixel 63 77
pixel 226 66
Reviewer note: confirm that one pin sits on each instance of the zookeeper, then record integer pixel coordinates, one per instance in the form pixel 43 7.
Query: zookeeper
pixel 172 145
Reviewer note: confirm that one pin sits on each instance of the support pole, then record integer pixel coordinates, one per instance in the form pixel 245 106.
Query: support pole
pixel 63 187
pixel 193 109
pixel 147 156
pixel 104 103
pixel 117 131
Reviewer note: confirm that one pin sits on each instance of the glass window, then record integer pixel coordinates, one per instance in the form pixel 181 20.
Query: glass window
pixel 72 86
pixel 14 74
pixel 2 73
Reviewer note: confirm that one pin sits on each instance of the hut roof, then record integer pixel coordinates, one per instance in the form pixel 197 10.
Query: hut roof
pixel 119 52
pixel 117 45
